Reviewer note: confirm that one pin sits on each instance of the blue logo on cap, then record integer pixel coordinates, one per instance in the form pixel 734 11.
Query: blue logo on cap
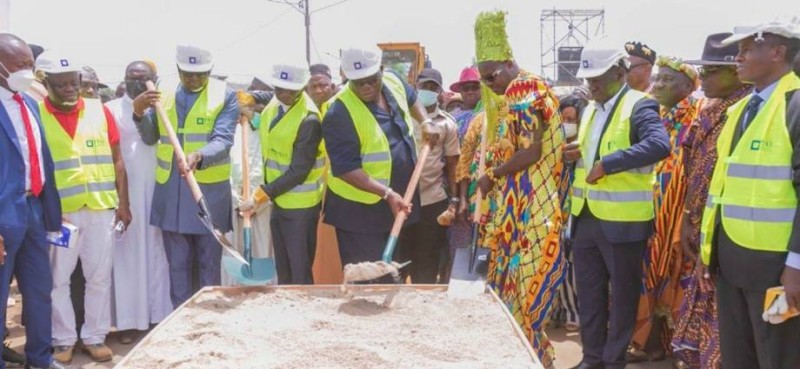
pixel 357 65
pixel 586 64
pixel 64 63
pixel 284 76
pixel 192 60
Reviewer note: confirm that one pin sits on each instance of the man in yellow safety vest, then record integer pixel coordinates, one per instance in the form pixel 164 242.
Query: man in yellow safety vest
pixel 293 172
pixel 619 140
pixel 750 238
pixel 91 179
pixel 369 136
pixel 204 114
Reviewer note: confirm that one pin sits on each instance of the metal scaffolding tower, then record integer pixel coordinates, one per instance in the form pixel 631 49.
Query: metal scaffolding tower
pixel 563 34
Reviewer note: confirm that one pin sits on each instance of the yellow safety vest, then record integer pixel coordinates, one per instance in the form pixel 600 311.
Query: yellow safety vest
pixel 84 167
pixel 753 184
pixel 376 157
pixel 277 145
pixel 621 197
pixel 197 129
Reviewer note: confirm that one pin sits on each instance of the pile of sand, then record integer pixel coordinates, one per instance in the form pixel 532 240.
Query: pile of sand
pixel 299 329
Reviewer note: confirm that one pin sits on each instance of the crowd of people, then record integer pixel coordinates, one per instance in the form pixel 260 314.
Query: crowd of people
pixel 651 209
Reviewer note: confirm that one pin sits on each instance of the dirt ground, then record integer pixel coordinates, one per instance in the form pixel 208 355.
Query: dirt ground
pixel 567 345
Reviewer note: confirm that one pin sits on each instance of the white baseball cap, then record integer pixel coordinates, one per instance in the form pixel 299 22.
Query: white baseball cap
pixel 193 59
pixel 358 63
pixel 55 62
pixel 598 56
pixel 782 26
pixel 290 76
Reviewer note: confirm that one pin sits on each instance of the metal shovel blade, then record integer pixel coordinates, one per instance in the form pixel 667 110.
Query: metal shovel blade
pixel 205 218
pixel 260 271
pixel 256 271
pixel 465 282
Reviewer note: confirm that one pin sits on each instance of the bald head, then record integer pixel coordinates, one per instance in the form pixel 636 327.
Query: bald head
pixel 136 76
pixel 15 55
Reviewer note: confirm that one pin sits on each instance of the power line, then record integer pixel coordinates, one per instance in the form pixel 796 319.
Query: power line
pixel 314 41
pixel 330 6
pixel 251 34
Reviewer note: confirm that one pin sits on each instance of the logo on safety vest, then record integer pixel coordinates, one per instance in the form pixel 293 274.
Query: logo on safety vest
pixel 760 145
pixel 201 121
pixel 93 143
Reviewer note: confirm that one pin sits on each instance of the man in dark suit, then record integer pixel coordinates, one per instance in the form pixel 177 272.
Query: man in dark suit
pixel 29 202
pixel 751 227
pixel 620 139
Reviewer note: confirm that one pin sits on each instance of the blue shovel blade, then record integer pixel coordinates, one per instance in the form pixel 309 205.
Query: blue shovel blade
pixel 261 270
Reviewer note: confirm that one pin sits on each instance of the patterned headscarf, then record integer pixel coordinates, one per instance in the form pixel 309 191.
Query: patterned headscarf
pixel 678 65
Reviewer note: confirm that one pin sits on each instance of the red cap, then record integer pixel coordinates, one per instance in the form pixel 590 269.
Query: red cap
pixel 469 74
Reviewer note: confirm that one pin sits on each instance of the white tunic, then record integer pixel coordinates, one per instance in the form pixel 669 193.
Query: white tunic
pixel 141 272
pixel 261 235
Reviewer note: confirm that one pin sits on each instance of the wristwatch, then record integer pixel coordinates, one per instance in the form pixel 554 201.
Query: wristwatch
pixel 454 201
pixel 388 192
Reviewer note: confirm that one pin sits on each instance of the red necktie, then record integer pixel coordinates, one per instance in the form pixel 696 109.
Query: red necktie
pixel 33 154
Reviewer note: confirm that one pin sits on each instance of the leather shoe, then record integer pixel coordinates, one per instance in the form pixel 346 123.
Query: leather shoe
pixel 584 365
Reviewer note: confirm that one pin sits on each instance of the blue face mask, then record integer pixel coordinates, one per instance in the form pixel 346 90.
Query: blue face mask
pixel 428 98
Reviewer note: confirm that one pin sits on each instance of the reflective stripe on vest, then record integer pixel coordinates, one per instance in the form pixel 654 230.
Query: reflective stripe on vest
pixel 84 166
pixel 277 148
pixel 376 159
pixel 622 197
pixel 751 188
pixel 198 126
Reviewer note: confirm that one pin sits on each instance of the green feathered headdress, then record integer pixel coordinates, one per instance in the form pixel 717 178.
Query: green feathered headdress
pixel 491 40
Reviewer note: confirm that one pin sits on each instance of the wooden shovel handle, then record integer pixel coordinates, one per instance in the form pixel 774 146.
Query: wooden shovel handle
pixel 245 167
pixel 173 139
pixel 410 190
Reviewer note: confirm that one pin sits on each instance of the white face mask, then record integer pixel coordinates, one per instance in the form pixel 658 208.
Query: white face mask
pixel 20 80
pixel 570 130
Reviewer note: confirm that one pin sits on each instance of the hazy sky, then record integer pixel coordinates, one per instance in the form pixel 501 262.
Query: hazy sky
pixel 248 36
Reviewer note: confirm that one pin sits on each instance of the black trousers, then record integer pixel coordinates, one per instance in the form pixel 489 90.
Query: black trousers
pixel 606 330
pixel 425 244
pixel 294 239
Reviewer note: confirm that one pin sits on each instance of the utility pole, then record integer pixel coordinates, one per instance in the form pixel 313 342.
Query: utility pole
pixel 304 7
pixel 308 31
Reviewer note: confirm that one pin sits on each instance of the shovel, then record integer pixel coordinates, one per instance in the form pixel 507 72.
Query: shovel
pixel 257 271
pixel 464 280
pixel 203 214
pixel 368 271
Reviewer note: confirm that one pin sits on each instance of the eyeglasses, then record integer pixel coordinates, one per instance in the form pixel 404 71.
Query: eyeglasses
pixel 372 81
pixel 490 78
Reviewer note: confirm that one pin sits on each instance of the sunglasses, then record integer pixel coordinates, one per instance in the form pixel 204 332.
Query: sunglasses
pixel 707 70
pixel 490 78
pixel 372 81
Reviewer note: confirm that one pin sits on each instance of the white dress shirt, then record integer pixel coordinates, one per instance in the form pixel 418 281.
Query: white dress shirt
pixel 598 122
pixel 13 110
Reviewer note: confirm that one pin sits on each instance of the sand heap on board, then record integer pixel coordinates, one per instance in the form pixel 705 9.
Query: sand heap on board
pixel 303 329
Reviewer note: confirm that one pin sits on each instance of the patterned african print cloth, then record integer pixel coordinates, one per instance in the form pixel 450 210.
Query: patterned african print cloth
pixel 460 233
pixel 664 262
pixel 526 261
pixel 696 338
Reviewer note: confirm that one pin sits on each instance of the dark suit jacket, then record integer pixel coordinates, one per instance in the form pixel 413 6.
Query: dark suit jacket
pixel 649 145
pixel 759 270
pixel 13 203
